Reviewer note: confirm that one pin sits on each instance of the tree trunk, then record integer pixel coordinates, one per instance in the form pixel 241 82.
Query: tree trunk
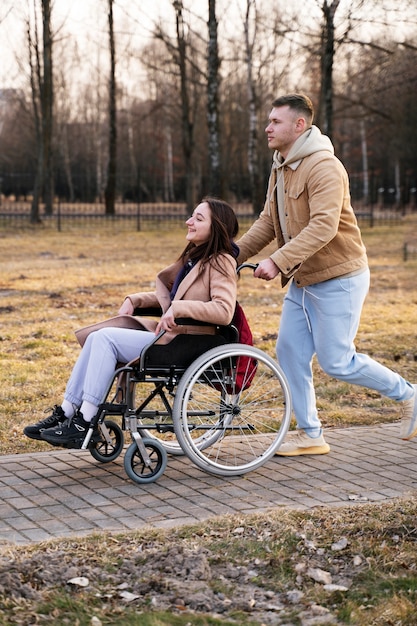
pixel 169 195
pixel 42 100
pixel 213 64
pixel 110 190
pixel 325 109
pixel 255 182
pixel 67 163
pixel 47 100
pixel 187 125
pixel 365 167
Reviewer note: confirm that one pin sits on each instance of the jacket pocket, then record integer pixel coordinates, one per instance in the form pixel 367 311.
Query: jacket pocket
pixel 295 191
pixel 297 209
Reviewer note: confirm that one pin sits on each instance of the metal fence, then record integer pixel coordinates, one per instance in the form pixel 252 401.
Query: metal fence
pixel 134 216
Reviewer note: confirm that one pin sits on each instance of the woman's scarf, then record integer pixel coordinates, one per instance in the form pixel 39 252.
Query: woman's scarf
pixel 188 266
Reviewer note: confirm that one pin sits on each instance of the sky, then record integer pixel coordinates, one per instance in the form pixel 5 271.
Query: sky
pixel 134 19
pixel 87 20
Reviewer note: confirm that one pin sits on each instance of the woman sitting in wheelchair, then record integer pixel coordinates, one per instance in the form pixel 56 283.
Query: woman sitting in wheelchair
pixel 201 285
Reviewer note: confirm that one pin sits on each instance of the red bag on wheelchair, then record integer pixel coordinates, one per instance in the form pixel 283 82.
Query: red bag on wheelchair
pixel 246 366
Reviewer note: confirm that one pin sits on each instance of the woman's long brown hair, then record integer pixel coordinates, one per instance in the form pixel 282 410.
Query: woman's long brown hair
pixel 224 228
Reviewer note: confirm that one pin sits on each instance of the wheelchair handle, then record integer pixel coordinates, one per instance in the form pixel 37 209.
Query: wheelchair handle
pixel 252 266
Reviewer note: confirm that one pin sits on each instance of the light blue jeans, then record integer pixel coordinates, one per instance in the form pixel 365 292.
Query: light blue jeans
pixel 97 361
pixel 323 319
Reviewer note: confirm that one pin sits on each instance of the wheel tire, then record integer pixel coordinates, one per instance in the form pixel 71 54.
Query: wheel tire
pixel 103 451
pixel 135 467
pixel 228 425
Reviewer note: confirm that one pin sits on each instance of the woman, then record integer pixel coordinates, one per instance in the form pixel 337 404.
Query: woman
pixel 201 284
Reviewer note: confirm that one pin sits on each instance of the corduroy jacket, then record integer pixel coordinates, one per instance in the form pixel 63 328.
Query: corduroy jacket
pixel 324 237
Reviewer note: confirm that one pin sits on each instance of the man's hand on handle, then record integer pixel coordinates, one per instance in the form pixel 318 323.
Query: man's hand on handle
pixel 267 270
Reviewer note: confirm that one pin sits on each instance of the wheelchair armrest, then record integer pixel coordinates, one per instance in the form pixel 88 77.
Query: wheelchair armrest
pixel 150 311
pixel 190 321
pixel 181 321
pixel 230 331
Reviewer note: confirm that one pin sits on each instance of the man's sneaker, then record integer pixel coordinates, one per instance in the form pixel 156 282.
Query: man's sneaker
pixel 34 431
pixel 298 443
pixel 72 431
pixel 409 417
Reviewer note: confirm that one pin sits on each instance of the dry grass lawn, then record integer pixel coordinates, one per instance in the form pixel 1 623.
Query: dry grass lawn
pixel 52 283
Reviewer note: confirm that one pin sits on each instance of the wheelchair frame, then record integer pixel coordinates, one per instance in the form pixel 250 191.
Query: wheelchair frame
pixel 227 407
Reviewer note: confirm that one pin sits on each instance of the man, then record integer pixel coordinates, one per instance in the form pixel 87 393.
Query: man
pixel 320 250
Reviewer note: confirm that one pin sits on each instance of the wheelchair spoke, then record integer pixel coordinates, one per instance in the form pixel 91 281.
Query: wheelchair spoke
pixel 236 403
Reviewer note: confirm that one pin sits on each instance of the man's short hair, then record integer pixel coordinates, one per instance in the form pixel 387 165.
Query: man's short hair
pixel 299 103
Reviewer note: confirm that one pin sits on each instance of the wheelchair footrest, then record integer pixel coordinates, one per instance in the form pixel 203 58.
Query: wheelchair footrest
pixel 164 428
pixel 113 408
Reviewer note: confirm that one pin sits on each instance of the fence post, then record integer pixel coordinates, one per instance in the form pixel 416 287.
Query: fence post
pixel 138 224
pixel 58 215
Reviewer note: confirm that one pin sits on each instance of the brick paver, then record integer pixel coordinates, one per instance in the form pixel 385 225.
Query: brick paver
pixel 67 493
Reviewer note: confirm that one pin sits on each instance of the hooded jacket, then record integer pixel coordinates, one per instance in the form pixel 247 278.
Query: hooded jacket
pixel 321 238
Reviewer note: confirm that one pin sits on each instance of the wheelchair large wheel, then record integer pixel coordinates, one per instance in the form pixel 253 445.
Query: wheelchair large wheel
pixel 136 468
pixel 232 409
pixel 106 451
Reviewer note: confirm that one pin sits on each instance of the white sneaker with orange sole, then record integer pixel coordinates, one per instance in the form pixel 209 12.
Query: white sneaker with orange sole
pixel 409 417
pixel 298 442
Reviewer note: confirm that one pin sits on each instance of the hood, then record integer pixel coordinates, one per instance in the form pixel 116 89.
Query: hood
pixel 311 141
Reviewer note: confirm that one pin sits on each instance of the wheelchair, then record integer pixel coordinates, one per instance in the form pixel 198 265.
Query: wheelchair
pixel 224 404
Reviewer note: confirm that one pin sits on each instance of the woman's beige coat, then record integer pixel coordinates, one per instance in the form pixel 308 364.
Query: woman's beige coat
pixel 206 294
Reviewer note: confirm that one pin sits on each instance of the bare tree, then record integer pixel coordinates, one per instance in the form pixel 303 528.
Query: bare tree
pixel 213 65
pixel 256 186
pixel 43 99
pixel 189 89
pixel 110 190
pixel 265 72
pixel 327 52
pixel 188 140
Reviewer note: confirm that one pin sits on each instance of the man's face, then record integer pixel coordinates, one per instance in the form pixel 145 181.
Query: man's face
pixel 283 129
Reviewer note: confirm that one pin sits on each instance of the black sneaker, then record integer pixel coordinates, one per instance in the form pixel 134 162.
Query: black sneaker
pixel 34 431
pixel 69 434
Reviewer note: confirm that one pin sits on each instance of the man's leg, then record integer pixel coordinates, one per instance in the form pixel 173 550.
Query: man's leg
pixel 334 309
pixel 295 350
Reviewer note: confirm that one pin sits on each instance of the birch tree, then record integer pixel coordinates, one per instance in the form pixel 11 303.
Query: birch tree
pixel 41 77
pixel 110 189
pixel 327 52
pixel 213 79
pixel 256 187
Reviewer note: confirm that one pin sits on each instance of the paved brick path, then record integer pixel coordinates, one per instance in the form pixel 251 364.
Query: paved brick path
pixel 62 493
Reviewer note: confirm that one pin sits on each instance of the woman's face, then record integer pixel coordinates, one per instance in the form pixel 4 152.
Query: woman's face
pixel 199 224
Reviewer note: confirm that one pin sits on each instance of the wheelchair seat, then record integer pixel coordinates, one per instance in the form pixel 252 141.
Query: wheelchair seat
pixel 181 351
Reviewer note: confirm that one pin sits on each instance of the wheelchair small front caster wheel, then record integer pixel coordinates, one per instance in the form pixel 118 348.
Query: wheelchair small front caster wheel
pixel 105 451
pixel 136 468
